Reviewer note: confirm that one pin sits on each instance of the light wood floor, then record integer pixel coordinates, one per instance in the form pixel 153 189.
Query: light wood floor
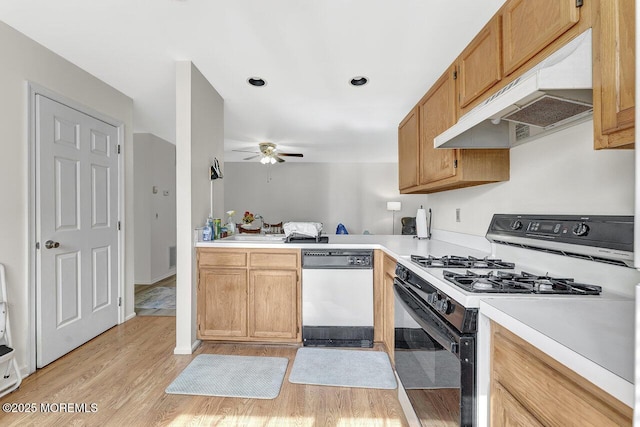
pixel 169 282
pixel 126 370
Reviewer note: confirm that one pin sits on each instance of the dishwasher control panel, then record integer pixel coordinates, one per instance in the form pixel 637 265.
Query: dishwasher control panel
pixel 337 258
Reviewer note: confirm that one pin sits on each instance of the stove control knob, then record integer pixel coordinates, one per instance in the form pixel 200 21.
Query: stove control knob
pixel 580 229
pixel 433 299
pixel 517 225
pixel 402 273
pixel 443 306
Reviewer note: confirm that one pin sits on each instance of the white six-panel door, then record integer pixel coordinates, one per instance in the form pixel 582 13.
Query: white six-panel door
pixel 77 228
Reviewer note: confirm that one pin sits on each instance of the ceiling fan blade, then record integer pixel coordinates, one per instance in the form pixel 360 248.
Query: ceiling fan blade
pixel 252 157
pixel 291 154
pixel 246 151
pixel 278 159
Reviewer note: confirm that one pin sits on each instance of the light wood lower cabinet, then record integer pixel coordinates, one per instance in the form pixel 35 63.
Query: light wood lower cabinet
pixel 384 273
pixel 529 388
pixel 249 294
pixel 222 303
pixel 273 304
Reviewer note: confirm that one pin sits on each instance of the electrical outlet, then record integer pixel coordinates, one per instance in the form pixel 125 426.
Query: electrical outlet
pixel 457 214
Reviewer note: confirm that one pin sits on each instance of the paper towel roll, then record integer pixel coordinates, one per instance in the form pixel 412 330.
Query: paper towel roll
pixel 421 224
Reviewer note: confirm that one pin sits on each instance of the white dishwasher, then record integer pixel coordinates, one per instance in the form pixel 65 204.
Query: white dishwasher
pixel 337 297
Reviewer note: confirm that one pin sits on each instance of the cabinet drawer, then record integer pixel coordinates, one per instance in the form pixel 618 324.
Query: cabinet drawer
pixel 275 259
pixel 222 258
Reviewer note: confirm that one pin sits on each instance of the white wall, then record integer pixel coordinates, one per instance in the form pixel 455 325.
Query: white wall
pixel 560 173
pixel 199 138
pixel 355 194
pixel 24 60
pixel 154 162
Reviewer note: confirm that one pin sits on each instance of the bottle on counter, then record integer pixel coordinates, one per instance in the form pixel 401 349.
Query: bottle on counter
pixel 206 232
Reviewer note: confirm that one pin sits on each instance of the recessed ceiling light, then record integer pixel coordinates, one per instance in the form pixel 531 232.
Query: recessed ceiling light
pixel 359 81
pixel 256 81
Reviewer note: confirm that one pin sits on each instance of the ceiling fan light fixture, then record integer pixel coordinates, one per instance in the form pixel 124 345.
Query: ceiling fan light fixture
pixel 256 81
pixel 359 81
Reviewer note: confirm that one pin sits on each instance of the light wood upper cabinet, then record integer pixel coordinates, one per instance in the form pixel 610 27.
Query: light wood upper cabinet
pixel 530 388
pixel 614 73
pixel 437 113
pixel 408 141
pixel 529 26
pixel 480 64
pixel 444 169
pixel 249 294
pixel 222 303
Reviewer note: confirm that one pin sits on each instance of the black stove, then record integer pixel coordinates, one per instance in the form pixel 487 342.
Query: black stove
pixel 522 283
pixel 453 261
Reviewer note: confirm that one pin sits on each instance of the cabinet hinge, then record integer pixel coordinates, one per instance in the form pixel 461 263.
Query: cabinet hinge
pixel 579 3
pixel 455 164
pixel 119 301
pixel 118 148
pixel 455 74
pixel 119 225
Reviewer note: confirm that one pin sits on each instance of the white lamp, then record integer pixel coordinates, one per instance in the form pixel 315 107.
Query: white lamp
pixel 393 207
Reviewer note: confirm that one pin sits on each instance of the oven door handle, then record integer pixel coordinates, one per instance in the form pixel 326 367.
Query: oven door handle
pixel 431 323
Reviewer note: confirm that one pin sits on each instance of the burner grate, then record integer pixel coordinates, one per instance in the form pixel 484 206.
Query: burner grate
pixel 452 261
pixel 509 282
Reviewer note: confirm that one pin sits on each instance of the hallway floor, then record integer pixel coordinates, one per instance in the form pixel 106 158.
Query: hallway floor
pixel 123 373
pixel 157 299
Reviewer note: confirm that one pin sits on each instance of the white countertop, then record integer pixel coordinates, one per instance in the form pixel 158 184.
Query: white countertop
pixel 396 246
pixel 594 338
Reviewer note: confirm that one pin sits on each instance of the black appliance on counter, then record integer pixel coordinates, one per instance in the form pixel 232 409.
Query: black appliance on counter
pixel 435 333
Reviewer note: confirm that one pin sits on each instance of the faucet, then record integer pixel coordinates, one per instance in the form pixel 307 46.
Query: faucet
pixel 263 230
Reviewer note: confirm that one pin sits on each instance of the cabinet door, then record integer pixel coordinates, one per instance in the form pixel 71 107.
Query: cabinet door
pixel 408 141
pixel 506 411
pixel 529 26
pixel 222 303
pixel 614 73
pixel 479 64
pixel 437 114
pixel 273 308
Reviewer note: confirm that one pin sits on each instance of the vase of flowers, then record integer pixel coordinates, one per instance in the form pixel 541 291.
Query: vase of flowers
pixel 248 218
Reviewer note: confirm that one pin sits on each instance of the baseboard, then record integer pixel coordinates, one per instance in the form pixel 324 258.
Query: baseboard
pixel 129 317
pixel 187 350
pixel 155 280
pixel 409 412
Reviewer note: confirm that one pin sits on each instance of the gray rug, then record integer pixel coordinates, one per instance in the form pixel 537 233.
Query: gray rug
pixel 343 368
pixel 159 297
pixel 427 369
pixel 231 376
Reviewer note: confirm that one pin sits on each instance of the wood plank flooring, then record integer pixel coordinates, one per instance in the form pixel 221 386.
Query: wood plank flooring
pixel 169 282
pixel 125 371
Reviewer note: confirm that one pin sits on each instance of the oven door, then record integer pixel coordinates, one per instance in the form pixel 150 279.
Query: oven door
pixel 435 363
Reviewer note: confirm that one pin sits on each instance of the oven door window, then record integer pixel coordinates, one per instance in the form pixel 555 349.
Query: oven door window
pixel 421 362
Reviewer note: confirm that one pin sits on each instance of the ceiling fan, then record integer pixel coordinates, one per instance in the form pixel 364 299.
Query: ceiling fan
pixel 268 153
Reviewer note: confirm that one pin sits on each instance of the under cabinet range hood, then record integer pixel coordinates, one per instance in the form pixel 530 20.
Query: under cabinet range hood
pixel 553 95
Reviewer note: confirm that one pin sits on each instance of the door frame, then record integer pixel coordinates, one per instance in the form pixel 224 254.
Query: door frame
pixel 34 89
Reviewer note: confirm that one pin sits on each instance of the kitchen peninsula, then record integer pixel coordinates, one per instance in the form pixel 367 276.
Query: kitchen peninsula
pixel 614 342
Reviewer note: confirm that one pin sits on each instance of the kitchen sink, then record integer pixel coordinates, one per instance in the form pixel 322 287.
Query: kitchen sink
pixel 254 238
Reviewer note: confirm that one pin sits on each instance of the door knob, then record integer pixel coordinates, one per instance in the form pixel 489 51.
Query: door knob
pixel 50 244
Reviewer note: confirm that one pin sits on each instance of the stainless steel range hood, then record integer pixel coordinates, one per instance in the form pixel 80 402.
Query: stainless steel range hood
pixel 554 94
